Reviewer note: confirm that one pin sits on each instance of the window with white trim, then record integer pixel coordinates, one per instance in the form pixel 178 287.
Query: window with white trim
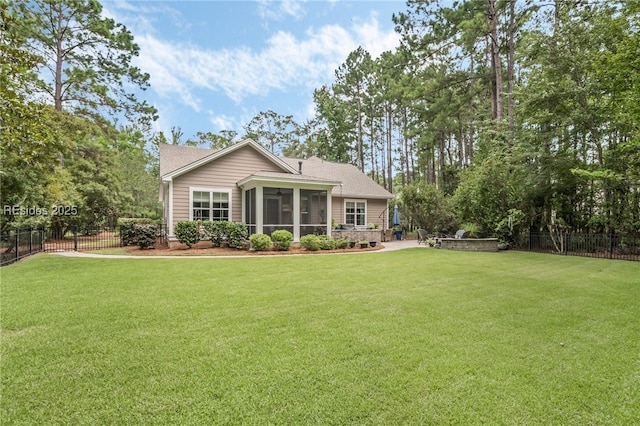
pixel 355 212
pixel 210 205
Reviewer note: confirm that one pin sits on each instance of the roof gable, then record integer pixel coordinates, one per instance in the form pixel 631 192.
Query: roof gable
pixel 177 160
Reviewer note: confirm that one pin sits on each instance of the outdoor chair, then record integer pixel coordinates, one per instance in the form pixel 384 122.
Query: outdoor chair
pixel 422 236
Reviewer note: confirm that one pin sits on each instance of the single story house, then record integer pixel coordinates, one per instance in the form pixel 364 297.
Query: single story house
pixel 247 183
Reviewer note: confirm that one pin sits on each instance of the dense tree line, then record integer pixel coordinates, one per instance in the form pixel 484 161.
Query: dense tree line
pixel 520 112
pixel 64 160
pixel 498 111
pixel 510 109
pixel 504 114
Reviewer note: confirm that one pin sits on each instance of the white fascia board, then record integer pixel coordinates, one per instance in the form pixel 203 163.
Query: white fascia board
pixel 337 193
pixel 293 182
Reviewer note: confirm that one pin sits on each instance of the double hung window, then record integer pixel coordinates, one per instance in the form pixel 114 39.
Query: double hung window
pixel 210 205
pixel 355 212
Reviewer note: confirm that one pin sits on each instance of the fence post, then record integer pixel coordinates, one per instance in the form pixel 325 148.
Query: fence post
pixel 565 243
pixel 75 238
pixel 17 231
pixel 611 244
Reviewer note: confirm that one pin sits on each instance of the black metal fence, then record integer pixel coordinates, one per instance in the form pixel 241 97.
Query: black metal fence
pixel 82 240
pixel 16 245
pixel 606 246
pixel 21 243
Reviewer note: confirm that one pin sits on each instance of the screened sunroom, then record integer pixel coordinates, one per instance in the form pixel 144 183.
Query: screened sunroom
pixel 300 205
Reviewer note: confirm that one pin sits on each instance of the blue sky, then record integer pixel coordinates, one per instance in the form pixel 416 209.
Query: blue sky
pixel 214 65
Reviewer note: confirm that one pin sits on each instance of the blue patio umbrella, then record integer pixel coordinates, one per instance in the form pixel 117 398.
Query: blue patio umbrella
pixel 396 215
pixel 396 222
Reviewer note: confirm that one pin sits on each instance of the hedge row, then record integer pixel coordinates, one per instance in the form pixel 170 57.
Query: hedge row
pixel 323 242
pixel 280 240
pixel 235 235
pixel 220 233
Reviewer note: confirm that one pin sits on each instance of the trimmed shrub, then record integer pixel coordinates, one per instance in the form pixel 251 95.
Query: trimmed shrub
pixel 127 234
pixel 238 235
pixel 326 242
pixel 206 229
pixel 226 234
pixel 342 243
pixel 310 242
pixel 127 231
pixel 145 235
pixel 282 239
pixel 187 233
pixel 216 232
pixel 260 242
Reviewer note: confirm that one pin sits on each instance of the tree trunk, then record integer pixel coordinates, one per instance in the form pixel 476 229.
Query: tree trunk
pixel 389 151
pixel 461 143
pixel 496 64
pixel 405 140
pixel 441 160
pixel 374 158
pixel 57 95
pixel 511 69
pixel 469 142
pixel 360 141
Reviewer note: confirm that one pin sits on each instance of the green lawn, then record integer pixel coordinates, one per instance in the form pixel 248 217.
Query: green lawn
pixel 415 336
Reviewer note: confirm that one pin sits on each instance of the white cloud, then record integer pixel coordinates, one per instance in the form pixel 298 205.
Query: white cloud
pixel 292 8
pixel 183 70
pixel 310 110
pixel 185 76
pixel 142 15
pixel 279 10
pixel 222 121
pixel 168 68
pixel 374 40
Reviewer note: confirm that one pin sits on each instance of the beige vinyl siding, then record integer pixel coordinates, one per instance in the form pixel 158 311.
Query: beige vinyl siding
pixel 222 173
pixel 375 208
pixel 337 213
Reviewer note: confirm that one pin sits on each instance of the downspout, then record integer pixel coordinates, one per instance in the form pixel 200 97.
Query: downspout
pixel 171 207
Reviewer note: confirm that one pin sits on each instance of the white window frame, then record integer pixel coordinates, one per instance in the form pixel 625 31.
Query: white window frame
pixel 193 189
pixel 356 201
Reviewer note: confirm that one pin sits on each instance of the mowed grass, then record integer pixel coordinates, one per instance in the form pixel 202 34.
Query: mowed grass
pixel 416 336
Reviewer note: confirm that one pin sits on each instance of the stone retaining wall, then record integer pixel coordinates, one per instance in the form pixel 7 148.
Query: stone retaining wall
pixel 469 244
pixel 356 235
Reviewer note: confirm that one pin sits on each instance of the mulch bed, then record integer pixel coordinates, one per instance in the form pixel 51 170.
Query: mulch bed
pixel 217 251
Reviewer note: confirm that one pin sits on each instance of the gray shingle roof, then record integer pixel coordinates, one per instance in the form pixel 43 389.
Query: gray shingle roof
pixel 354 183
pixel 172 157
